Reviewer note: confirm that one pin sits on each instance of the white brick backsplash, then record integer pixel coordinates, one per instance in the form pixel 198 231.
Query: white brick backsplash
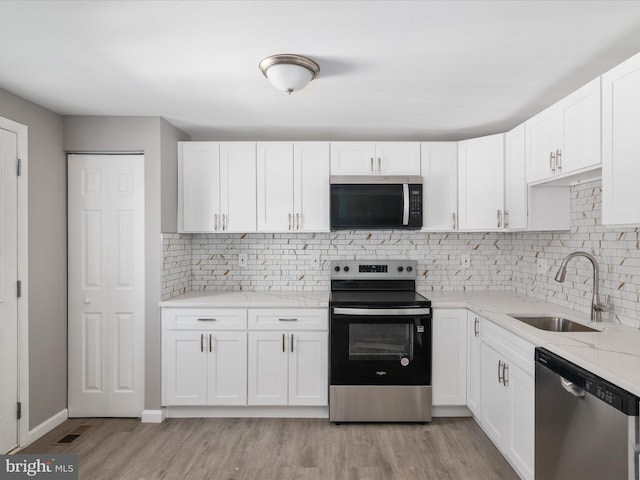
pixel 499 261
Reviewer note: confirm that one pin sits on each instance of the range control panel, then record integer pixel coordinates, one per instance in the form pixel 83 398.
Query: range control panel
pixel 363 269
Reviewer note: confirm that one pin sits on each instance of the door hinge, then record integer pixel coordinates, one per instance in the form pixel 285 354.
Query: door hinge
pixel 19 289
pixel 19 166
pixel 19 413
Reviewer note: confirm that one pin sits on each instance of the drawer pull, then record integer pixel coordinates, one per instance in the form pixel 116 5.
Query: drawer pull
pixel 287 319
pixel 207 319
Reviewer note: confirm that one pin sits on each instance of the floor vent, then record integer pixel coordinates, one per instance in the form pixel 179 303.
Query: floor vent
pixel 74 434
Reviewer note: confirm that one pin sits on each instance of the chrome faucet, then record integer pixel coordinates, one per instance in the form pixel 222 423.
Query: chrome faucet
pixel 596 307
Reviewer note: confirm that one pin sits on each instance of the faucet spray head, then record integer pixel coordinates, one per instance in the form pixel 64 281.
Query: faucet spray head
pixel 561 274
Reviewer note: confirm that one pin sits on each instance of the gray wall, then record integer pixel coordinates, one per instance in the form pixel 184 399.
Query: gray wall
pixel 157 139
pixel 47 281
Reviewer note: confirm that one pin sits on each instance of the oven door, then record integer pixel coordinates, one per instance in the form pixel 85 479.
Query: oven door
pixel 370 346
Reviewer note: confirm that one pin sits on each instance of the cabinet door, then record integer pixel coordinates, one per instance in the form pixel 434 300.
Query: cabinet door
pixel 267 370
pixel 440 188
pixel 311 186
pixel 474 370
pixel 185 367
pixel 397 158
pixel 515 183
pixel 541 141
pixel 198 185
pixel 238 186
pixel 275 186
pixel 481 183
pixel 449 373
pixel 579 129
pixel 227 369
pixel 308 368
pixel 353 158
pixel 621 144
pixel 521 416
pixel 494 396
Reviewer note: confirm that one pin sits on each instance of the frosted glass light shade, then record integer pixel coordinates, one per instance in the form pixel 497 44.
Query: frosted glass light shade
pixel 289 73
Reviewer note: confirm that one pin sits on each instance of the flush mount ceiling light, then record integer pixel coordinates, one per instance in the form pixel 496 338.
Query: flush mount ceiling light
pixel 288 72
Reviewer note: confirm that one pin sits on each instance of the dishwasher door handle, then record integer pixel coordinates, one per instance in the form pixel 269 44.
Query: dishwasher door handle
pixel 572 388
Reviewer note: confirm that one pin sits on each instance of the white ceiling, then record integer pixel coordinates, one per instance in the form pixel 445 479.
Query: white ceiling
pixel 396 70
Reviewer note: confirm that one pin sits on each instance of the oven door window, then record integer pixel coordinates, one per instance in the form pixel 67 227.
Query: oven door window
pixel 380 341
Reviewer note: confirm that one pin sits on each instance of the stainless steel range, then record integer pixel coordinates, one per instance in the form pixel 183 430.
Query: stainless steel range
pixel 380 343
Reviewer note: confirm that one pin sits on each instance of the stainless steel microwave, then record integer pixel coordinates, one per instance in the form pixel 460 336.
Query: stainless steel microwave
pixel 376 202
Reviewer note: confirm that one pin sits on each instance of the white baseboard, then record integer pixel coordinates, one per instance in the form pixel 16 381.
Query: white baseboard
pixel 451 411
pixel 44 428
pixel 153 416
pixel 248 412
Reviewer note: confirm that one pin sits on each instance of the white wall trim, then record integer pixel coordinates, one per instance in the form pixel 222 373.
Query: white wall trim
pixel 45 427
pixel 23 269
pixel 248 412
pixel 153 416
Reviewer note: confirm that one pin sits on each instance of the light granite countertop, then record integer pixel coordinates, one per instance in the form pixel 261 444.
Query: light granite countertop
pixel 613 353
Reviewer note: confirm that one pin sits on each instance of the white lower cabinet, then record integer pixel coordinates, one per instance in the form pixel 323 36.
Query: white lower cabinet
pixel 287 368
pixel 449 379
pixel 205 368
pixel 507 396
pixel 474 358
pixel 215 357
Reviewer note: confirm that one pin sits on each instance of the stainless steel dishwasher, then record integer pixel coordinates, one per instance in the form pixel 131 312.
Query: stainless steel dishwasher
pixel 586 427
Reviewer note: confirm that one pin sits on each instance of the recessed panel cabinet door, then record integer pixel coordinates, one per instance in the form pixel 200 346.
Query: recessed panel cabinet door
pixel 308 368
pixel 621 144
pixel 227 368
pixel 311 186
pixel 515 183
pixel 237 187
pixel 440 187
pixel 185 367
pixel 267 370
pixel 494 395
pixel 541 142
pixel 353 158
pixel 199 191
pixel 474 362
pixel 275 187
pixel 449 357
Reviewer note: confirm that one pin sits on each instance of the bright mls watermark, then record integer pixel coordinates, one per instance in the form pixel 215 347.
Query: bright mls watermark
pixel 51 467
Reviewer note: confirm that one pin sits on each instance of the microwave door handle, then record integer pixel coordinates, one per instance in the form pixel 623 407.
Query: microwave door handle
pixel 405 202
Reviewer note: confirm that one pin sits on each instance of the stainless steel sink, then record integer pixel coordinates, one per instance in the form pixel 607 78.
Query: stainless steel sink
pixel 552 323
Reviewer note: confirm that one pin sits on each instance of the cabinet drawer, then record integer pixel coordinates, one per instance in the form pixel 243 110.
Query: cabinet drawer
pixel 204 318
pixel 288 319
pixel 512 346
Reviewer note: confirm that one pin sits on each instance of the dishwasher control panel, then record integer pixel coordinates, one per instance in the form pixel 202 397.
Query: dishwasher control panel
pixel 604 393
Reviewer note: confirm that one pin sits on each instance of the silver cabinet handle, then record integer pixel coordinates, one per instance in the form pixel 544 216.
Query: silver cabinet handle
pixel 288 319
pixel 297 221
pixel 283 342
pixel 202 342
pixel 210 319
pixel 292 343
pixel 499 218
pixel 210 343
pixel 379 165
pixel 559 160
pixel 500 377
pixel 454 220
pixel 290 222
pixel 224 221
pixel 476 327
pixel 372 171
pixel 506 219
pixel 215 221
pixel 505 371
pixel 552 162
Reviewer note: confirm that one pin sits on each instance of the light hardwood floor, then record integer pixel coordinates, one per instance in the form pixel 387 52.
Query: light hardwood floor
pixel 278 449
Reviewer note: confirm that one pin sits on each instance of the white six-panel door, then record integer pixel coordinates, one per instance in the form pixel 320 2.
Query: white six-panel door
pixel 106 285
pixel 8 294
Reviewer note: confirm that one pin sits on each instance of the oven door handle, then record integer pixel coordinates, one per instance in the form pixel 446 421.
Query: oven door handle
pixel 385 312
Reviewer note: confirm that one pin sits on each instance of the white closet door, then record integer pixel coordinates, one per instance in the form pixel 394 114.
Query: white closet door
pixel 106 285
pixel 8 296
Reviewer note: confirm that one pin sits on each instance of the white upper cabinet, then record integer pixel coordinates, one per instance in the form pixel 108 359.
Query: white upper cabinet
pixel 216 187
pixel 440 186
pixel 481 183
pixel 564 139
pixel 515 186
pixel 369 158
pixel 621 144
pixel 293 186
